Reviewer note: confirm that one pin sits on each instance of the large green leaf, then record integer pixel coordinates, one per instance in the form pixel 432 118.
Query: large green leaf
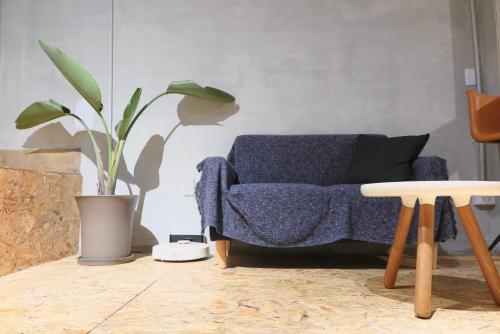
pixel 78 77
pixel 40 112
pixel 191 88
pixel 128 113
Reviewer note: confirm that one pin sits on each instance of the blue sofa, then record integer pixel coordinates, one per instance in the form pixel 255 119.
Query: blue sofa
pixel 284 191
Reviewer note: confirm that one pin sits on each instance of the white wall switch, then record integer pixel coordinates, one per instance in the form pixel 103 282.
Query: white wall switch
pixel 483 200
pixel 470 77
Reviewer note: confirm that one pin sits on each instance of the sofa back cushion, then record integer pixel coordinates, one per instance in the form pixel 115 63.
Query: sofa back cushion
pixel 313 159
pixel 383 159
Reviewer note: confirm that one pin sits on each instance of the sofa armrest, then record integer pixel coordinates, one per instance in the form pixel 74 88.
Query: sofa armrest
pixel 217 176
pixel 429 169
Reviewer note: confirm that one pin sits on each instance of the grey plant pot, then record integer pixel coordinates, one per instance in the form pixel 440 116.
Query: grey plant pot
pixel 106 228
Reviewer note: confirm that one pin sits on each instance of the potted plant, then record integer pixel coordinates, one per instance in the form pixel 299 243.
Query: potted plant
pixel 106 219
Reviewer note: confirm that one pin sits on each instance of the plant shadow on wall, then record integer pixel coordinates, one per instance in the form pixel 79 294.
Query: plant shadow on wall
pixel 146 176
pixel 146 173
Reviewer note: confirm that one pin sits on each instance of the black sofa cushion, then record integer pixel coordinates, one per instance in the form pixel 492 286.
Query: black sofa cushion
pixel 382 159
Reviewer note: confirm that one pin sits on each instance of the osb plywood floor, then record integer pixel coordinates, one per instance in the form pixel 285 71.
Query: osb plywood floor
pixel 303 294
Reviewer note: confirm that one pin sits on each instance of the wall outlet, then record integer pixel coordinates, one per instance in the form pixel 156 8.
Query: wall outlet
pixel 470 77
pixel 483 200
pixel 192 189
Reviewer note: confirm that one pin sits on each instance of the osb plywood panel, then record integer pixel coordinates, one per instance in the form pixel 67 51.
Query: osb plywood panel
pixel 46 160
pixel 272 294
pixel 39 219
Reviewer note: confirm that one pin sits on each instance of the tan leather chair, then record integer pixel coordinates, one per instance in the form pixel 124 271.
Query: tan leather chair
pixel 484 117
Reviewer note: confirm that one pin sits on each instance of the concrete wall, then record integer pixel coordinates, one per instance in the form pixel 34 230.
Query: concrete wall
pixel 392 66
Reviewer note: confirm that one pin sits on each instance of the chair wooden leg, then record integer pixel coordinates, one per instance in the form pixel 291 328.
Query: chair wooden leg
pixel 435 251
pixel 228 247
pixel 423 281
pixel 480 250
pixel 220 249
pixel 398 245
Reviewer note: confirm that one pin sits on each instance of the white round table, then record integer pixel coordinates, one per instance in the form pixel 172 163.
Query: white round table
pixel 426 193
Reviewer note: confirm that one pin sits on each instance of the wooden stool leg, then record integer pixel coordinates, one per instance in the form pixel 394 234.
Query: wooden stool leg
pixel 220 249
pixel 398 245
pixel 480 250
pixel 423 281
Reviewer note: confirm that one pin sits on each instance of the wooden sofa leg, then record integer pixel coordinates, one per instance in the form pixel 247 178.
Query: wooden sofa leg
pixel 435 250
pixel 221 252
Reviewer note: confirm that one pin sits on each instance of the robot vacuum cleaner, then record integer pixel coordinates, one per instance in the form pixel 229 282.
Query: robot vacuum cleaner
pixel 180 251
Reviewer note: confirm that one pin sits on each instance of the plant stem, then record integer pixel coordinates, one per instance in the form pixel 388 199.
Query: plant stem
pixel 139 114
pixel 118 151
pixel 113 171
pixel 109 139
pixel 101 189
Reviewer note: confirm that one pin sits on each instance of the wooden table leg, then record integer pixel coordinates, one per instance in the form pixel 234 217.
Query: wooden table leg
pixel 435 251
pixel 423 281
pixel 480 250
pixel 398 245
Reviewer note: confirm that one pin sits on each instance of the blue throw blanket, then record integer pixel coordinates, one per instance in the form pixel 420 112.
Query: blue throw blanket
pixel 292 208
